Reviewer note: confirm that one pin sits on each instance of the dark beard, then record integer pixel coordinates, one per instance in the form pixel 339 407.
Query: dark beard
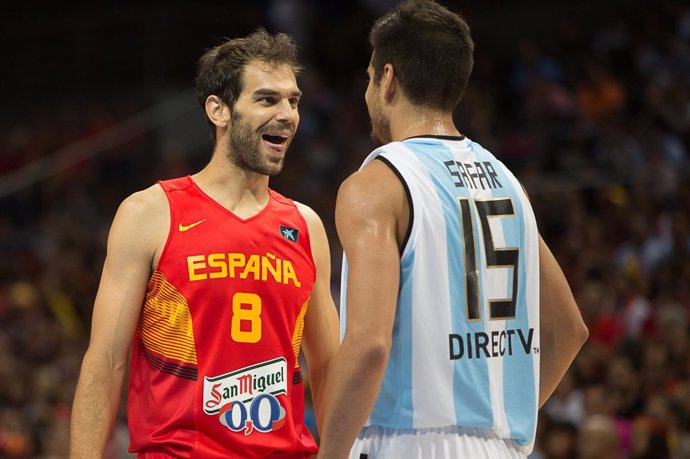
pixel 380 129
pixel 244 149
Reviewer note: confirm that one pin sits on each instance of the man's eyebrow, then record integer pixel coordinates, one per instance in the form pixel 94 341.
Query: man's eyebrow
pixel 272 92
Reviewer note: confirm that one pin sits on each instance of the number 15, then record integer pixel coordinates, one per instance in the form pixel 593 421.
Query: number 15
pixel 495 258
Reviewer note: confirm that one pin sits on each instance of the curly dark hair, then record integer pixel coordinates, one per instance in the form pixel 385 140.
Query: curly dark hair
pixel 221 68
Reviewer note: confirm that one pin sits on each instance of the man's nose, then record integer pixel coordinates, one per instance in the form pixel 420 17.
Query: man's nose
pixel 286 112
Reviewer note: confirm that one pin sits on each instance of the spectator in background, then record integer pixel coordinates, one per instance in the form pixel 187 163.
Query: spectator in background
pixel 559 440
pixel 600 94
pixel 598 439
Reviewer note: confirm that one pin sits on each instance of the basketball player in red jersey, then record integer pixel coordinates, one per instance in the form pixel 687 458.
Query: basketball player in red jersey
pixel 214 281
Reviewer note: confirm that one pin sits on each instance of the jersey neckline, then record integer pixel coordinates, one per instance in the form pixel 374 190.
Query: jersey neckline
pixel 440 137
pixel 228 211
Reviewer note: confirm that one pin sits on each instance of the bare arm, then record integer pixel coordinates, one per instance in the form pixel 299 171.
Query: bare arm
pixel 131 249
pixel 321 330
pixel 563 331
pixel 367 212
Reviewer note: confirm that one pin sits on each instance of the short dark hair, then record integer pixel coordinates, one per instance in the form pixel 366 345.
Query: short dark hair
pixel 220 69
pixel 430 48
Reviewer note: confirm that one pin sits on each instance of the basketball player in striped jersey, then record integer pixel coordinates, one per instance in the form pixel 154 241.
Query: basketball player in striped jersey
pixel 458 323
pixel 214 281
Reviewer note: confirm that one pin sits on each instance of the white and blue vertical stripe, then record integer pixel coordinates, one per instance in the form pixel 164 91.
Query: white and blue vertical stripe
pixel 422 386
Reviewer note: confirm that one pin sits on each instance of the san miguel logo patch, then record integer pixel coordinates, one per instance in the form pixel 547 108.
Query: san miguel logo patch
pixel 249 399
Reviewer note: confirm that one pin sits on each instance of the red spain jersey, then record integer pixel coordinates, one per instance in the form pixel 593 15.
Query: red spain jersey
pixel 214 369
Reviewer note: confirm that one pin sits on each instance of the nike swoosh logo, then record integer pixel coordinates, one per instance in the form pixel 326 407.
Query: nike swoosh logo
pixel 188 227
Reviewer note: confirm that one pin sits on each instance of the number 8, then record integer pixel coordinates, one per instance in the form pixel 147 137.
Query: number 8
pixel 240 314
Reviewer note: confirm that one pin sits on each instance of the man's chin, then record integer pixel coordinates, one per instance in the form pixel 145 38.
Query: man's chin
pixel 274 172
pixel 273 168
pixel 272 161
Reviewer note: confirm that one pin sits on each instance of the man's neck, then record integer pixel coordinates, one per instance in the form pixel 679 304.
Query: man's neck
pixel 240 191
pixel 415 121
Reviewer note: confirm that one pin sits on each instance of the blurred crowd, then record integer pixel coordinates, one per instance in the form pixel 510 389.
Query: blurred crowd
pixel 596 125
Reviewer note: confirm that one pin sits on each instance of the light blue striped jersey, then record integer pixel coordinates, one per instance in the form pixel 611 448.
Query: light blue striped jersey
pixel 466 333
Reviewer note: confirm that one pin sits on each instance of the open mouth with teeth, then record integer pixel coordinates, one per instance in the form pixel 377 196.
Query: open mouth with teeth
pixel 276 142
pixel 277 139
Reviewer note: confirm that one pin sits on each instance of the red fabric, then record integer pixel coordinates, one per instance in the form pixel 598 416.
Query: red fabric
pixel 175 406
pixel 607 330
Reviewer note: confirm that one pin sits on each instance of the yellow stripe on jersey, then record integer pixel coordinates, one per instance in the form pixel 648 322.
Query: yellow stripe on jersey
pixel 165 325
pixel 297 334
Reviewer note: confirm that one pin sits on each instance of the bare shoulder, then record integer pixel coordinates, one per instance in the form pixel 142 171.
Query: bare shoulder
pixel 319 241
pixel 310 216
pixel 142 220
pixel 315 226
pixel 144 204
pixel 372 192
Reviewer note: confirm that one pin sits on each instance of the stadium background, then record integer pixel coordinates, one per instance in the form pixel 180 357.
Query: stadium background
pixel 588 102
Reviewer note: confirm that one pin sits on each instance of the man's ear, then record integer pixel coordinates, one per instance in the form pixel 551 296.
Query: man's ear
pixel 217 111
pixel 389 82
